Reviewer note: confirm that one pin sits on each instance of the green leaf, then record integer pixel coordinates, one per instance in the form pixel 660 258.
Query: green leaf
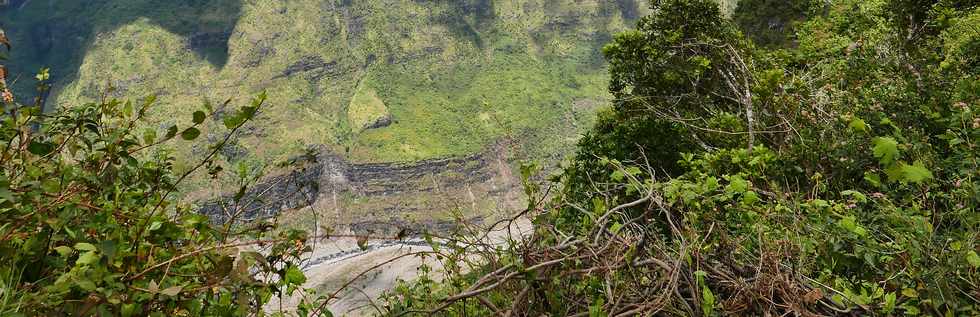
pixel 595 310
pixel 633 170
pixel 894 172
pixel 710 183
pixel 708 303
pixel 910 292
pixel 700 275
pixel 85 246
pixel 617 176
pixel 858 125
pixel 155 225
pixel 64 250
pixel 819 203
pixel 750 197
pixel 40 148
pixel 190 134
pixel 149 100
pixel 885 149
pixel 616 227
pixel 128 109
pixel 171 132
pixel 910 310
pixel 108 249
pixel 872 179
pixel 850 223
pixel 233 121
pixel 128 310
pixel 889 302
pixel 199 117
pixel 249 112
pixel 915 173
pixel 43 75
pixel 736 184
pixel 701 61
pixel 294 275
pixel 856 195
pixel 6 194
pixel 88 258
pixel 973 259
pixel 85 285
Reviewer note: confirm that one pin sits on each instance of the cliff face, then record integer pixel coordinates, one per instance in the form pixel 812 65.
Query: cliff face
pixel 438 79
pixel 454 75
pixel 324 190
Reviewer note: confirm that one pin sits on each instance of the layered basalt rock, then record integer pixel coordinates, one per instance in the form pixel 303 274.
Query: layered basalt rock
pixel 325 190
pixel 314 66
pixel 296 189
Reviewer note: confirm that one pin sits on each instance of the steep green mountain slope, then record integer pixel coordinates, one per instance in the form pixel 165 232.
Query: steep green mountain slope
pixel 432 77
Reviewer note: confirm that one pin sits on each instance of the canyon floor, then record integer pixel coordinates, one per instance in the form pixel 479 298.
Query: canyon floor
pixel 375 269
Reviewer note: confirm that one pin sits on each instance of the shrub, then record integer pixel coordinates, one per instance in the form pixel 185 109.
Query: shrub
pixel 837 177
pixel 90 221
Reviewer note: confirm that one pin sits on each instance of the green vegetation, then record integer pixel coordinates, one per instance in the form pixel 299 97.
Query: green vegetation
pixel 834 172
pixel 90 226
pixel 366 109
pixel 438 66
pixel 739 170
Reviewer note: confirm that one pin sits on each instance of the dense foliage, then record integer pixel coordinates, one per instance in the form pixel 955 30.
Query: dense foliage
pixel 835 175
pixel 90 222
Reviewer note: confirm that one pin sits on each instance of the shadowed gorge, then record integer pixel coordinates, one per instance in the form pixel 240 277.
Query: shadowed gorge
pixel 58 34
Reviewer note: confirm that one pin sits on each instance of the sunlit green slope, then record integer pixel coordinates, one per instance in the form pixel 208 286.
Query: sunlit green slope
pixel 450 76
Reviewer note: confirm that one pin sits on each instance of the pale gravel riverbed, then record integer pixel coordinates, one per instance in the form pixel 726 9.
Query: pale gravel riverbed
pixel 336 261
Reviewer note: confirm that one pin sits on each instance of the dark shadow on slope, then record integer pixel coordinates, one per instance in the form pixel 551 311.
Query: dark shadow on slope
pixel 770 23
pixel 466 18
pixel 566 22
pixel 629 8
pixel 57 34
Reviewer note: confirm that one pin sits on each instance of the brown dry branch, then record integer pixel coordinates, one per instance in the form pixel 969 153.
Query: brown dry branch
pixel 637 270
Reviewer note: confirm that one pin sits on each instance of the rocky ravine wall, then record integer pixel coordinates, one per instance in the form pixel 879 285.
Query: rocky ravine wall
pixel 326 191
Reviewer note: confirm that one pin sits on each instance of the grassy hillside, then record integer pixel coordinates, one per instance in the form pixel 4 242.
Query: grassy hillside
pixel 453 75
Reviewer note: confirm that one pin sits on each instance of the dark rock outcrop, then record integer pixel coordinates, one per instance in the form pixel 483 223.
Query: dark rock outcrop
pixel 315 66
pixel 381 122
pixel 297 189
pixel 371 196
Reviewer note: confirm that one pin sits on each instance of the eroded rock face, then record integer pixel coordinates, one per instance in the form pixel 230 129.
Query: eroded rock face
pixel 376 197
pixel 297 189
pixel 381 122
pixel 315 66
